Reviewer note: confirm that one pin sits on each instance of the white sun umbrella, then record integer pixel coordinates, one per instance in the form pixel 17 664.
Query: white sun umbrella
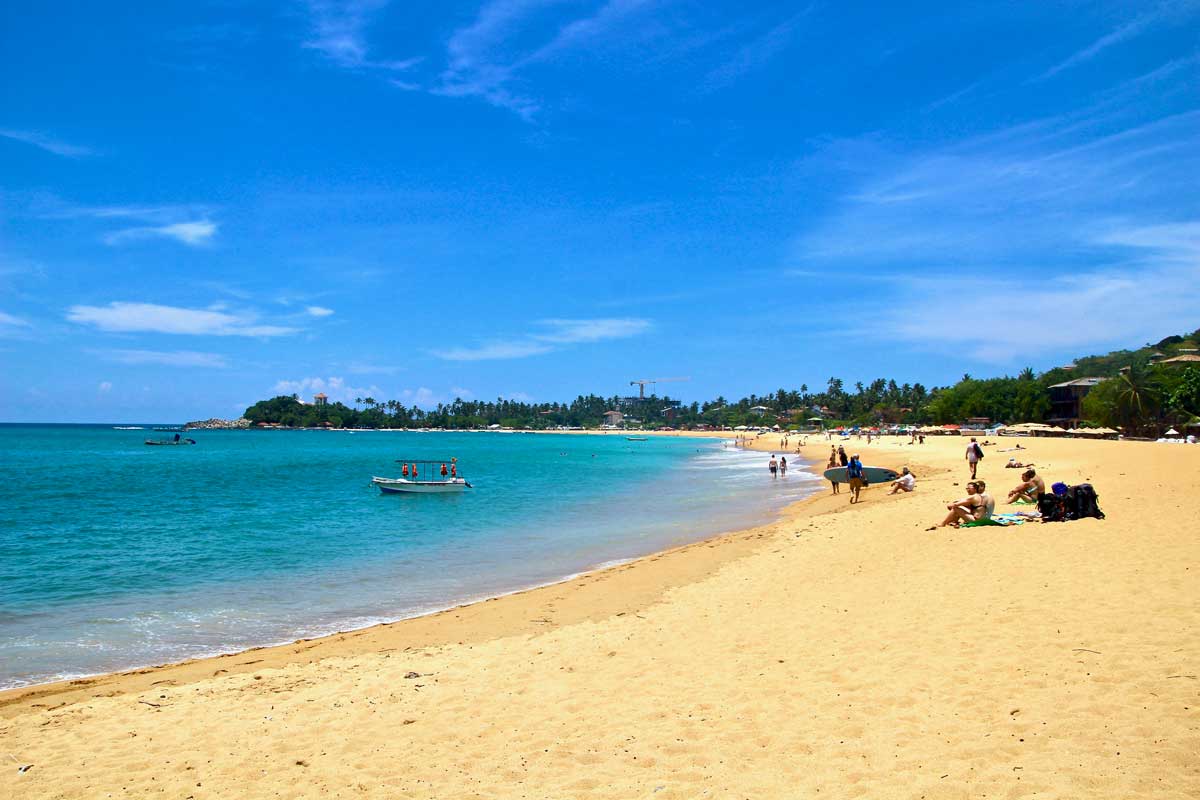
pixel 1172 432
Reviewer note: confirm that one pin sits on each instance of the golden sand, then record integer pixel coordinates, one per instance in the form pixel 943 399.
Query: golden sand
pixel 842 652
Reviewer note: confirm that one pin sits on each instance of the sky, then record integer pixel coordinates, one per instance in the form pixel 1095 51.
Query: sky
pixel 203 204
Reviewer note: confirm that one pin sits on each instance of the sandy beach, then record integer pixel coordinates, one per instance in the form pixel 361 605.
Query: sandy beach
pixel 842 651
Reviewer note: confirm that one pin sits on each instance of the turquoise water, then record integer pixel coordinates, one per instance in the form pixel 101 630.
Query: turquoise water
pixel 119 555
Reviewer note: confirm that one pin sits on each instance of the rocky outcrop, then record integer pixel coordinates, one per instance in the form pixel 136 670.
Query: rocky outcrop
pixel 217 424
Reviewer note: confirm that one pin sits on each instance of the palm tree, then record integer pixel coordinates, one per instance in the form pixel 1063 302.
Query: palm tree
pixel 1026 374
pixel 1138 399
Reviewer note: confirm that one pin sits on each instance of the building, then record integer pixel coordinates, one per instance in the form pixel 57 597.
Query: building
pixel 320 399
pixel 759 410
pixel 1181 361
pixel 614 419
pixel 1066 400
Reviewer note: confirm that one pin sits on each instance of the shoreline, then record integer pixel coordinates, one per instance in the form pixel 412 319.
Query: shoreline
pixel 841 649
pixel 69 684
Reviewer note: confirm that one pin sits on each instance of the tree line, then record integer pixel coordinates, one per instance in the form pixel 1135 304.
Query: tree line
pixel 1140 397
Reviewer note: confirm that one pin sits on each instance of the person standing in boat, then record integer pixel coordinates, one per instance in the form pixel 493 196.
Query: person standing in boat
pixel 444 472
pixel 404 472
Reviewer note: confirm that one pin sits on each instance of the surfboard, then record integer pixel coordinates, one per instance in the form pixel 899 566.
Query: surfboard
pixel 872 475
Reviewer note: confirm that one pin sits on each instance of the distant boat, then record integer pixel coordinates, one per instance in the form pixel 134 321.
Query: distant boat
pixel 427 477
pixel 637 438
pixel 171 442
pixel 168 428
pixel 128 428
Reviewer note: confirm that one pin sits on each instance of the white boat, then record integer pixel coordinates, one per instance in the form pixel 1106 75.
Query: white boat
pixel 427 477
pixel 637 438
pixel 390 485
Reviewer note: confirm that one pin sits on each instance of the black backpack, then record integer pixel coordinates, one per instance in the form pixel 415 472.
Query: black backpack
pixel 1085 501
pixel 978 451
pixel 1052 508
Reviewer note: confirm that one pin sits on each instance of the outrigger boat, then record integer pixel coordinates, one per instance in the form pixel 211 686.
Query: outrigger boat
pixel 637 438
pixel 171 442
pixel 425 477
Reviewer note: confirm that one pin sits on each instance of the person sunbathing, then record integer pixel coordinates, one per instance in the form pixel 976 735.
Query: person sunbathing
pixel 1030 489
pixel 1014 464
pixel 969 508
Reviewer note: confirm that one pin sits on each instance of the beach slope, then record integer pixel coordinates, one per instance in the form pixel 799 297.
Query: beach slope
pixel 842 651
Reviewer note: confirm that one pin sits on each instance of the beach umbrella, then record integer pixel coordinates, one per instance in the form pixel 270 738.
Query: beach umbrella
pixel 1172 432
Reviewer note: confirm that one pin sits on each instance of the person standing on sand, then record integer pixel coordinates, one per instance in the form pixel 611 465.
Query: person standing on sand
pixel 833 462
pixel 974 453
pixel 854 471
pixel 842 455
pixel 773 465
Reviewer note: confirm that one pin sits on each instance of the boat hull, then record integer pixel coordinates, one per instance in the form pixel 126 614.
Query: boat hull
pixel 404 486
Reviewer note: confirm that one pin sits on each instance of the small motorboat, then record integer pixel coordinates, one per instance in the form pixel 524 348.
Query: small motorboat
pixel 169 442
pixel 424 477
pixel 637 438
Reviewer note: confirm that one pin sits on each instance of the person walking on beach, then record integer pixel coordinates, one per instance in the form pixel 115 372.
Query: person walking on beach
pixel 842 455
pixel 854 472
pixel 783 466
pixel 974 454
pixel 773 465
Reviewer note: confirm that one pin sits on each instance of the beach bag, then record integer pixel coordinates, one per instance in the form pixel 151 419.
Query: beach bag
pixel 1086 501
pixel 1052 508
pixel 978 451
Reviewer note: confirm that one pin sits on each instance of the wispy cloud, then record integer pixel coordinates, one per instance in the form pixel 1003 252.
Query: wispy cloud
pixel 193 234
pixel 1088 217
pixel 318 311
pixel 551 335
pixel 169 358
pixel 191 225
pixel 339 32
pixel 122 317
pixel 494 351
pixel 12 321
pixel 47 143
pixel 1163 12
pixel 756 54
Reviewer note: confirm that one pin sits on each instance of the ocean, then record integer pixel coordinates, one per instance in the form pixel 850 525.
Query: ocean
pixel 118 555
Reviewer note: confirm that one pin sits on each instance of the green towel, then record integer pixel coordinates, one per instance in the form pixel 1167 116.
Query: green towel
pixel 979 523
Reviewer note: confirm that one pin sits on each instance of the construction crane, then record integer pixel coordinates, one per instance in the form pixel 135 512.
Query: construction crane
pixel 642 384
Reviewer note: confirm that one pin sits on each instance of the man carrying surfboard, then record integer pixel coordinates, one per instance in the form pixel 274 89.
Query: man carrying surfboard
pixel 854 471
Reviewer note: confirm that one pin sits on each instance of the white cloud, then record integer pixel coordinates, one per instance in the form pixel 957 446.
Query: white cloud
pixel 47 143
pixel 335 388
pixel 494 351
pixel 520 397
pixel 464 394
pixel 566 331
pixel 339 32
pixel 1162 13
pixel 318 311
pixel 193 234
pixel 9 319
pixel 554 334
pixel 173 358
pixel 368 368
pixel 124 317
pixel 105 386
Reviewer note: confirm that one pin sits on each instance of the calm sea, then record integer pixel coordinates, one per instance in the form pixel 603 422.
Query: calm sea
pixel 118 555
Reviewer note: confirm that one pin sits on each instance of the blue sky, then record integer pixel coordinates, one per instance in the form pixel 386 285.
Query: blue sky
pixel 206 203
